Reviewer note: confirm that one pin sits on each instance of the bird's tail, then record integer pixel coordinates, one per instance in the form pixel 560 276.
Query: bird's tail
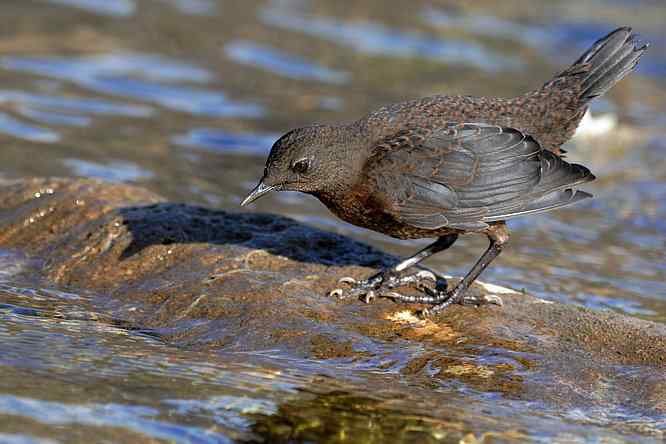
pixel 607 62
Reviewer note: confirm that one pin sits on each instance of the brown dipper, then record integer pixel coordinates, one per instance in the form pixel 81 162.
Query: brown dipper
pixel 448 165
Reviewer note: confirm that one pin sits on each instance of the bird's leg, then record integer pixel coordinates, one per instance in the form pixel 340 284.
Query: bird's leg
pixel 498 234
pixel 390 278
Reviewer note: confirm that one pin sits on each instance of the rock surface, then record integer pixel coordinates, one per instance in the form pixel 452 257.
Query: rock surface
pixel 214 280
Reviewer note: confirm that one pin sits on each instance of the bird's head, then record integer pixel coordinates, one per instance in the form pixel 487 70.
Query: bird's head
pixel 309 159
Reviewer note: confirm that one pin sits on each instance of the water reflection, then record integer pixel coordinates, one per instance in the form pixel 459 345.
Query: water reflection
pixel 249 53
pixel 139 419
pixel 118 171
pixel 223 141
pixel 113 74
pixel 17 438
pixel 16 128
pixel 374 38
pixel 71 104
pixel 193 7
pixel 125 8
pixel 52 118
pixel 491 26
pixel 121 8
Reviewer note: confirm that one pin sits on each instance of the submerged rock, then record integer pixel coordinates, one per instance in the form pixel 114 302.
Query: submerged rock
pixel 249 283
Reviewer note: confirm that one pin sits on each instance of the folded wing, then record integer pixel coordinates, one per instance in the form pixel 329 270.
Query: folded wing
pixel 464 175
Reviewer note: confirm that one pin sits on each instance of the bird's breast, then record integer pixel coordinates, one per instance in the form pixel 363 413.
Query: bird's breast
pixel 359 206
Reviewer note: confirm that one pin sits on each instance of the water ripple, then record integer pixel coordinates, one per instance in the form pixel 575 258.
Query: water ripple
pixel 194 7
pixel 11 264
pixel 115 171
pixel 121 8
pixel 12 438
pixel 16 128
pixel 112 74
pixel 226 410
pixel 490 26
pixel 222 141
pixel 140 419
pixel 68 104
pixel 51 118
pixel 250 53
pixel 377 39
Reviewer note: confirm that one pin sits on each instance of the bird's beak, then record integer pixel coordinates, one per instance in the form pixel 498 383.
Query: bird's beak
pixel 258 191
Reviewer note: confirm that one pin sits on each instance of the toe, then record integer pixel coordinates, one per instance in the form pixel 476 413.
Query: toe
pixel 394 295
pixel 486 299
pixel 423 314
pixel 493 299
pixel 337 293
pixel 347 280
pixel 425 274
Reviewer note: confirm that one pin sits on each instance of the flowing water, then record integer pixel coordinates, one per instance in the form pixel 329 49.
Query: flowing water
pixel 185 97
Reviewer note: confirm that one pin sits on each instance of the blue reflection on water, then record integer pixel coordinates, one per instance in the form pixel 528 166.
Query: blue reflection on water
pixel 490 26
pixel 110 74
pixel 58 111
pixel 194 101
pixel 14 438
pixel 250 53
pixel 140 419
pixel 121 8
pixel 228 411
pixel 194 7
pixel 116 171
pixel 74 104
pixel 51 118
pixel 374 38
pixel 223 141
pixel 549 38
pixel 125 8
pixel 16 128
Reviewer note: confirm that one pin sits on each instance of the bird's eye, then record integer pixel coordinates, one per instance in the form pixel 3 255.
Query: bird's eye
pixel 301 166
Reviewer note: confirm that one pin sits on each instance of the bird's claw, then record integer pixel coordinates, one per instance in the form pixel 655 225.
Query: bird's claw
pixel 365 289
pixel 337 293
pixel 494 299
pixel 376 286
pixel 426 274
pixel 486 299
pixel 423 314
pixel 368 297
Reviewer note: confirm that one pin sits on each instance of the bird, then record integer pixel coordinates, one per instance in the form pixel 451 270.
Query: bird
pixel 447 165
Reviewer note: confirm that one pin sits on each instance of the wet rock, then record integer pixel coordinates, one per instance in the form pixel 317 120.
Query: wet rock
pixel 217 280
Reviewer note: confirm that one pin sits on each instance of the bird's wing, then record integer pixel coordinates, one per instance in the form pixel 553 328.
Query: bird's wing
pixel 463 175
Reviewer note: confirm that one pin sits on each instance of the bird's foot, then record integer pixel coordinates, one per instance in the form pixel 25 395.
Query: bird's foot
pixel 381 283
pixel 441 299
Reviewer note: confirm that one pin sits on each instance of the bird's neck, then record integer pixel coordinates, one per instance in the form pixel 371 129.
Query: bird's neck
pixel 352 149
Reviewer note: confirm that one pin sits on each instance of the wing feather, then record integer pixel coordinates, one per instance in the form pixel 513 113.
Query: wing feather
pixel 463 175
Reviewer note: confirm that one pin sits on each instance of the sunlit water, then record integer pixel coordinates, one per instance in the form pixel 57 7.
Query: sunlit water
pixel 185 97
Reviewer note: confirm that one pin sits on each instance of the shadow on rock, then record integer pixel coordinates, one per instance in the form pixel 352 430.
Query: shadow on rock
pixel 170 223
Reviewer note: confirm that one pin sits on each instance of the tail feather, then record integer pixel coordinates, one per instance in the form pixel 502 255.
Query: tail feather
pixel 551 201
pixel 568 94
pixel 556 188
pixel 607 62
pixel 558 174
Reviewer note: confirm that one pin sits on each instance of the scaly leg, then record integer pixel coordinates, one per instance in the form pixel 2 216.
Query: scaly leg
pixel 390 278
pixel 498 234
